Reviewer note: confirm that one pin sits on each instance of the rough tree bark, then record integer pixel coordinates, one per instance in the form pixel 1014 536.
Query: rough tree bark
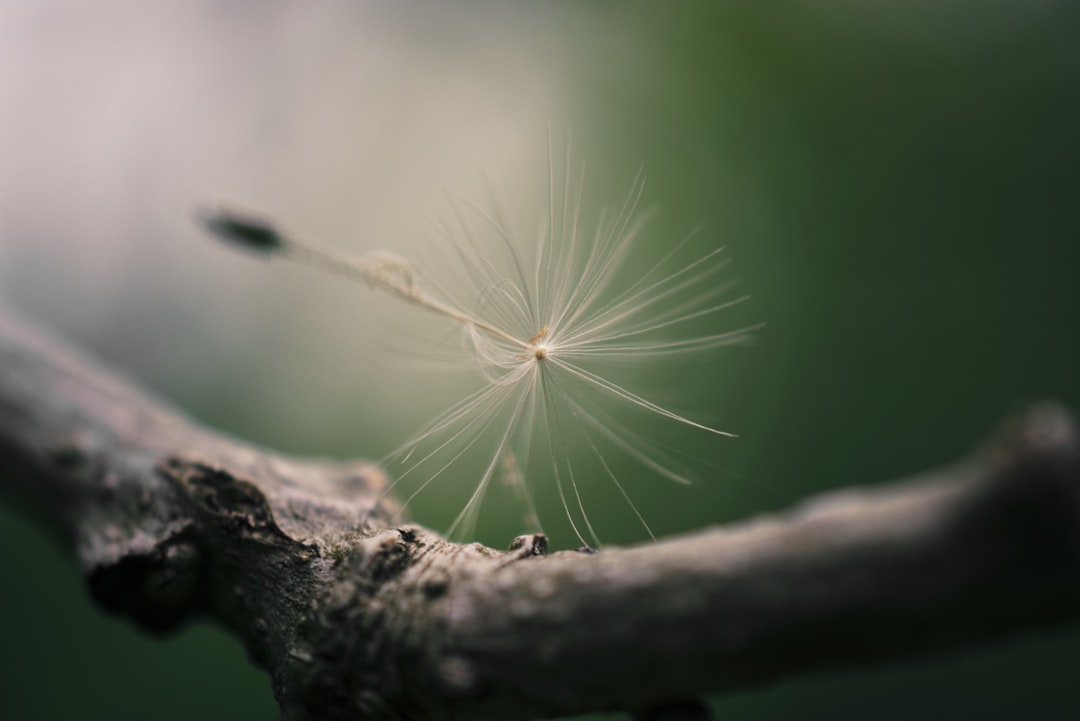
pixel 359 617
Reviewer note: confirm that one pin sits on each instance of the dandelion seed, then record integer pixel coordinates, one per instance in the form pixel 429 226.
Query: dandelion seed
pixel 543 324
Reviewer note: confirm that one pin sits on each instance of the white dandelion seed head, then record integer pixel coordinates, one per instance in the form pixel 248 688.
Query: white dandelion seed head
pixel 546 319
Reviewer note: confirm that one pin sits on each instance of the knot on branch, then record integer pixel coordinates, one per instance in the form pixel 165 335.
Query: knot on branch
pixel 237 506
pixel 528 546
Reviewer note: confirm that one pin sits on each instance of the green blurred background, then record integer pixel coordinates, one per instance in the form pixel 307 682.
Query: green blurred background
pixel 898 182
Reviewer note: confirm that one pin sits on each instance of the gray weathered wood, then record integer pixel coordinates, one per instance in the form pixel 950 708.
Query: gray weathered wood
pixel 359 616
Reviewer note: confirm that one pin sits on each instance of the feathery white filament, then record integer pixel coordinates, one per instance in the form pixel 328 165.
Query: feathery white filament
pixel 533 330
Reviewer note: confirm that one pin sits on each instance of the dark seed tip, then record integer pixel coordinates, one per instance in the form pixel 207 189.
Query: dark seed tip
pixel 240 228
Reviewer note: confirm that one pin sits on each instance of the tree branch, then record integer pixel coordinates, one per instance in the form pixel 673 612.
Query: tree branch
pixel 357 617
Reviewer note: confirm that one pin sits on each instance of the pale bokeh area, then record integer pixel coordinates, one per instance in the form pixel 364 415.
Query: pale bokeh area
pixel 896 183
pixel 346 122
